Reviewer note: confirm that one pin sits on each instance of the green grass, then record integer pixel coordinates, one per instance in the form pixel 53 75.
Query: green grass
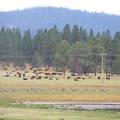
pixel 31 113
pixel 7 104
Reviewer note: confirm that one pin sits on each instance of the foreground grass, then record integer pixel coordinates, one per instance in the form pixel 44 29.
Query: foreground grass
pixel 43 112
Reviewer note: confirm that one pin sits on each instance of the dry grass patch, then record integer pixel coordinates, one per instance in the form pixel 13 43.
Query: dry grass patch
pixel 59 90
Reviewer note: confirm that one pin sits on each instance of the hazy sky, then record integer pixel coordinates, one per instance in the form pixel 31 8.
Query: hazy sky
pixel 107 6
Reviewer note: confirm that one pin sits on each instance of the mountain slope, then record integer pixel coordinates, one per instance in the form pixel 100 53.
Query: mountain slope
pixel 36 18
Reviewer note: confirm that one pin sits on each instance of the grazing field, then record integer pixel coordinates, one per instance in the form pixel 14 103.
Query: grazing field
pixel 88 90
pixel 14 91
pixel 44 113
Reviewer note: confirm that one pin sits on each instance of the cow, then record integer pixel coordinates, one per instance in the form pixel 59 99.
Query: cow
pixel 25 78
pixel 47 73
pixel 68 77
pixel 19 74
pixel 31 68
pixel 46 69
pixel 7 75
pixel 34 71
pixel 38 77
pixel 99 78
pixel 32 77
pixel 59 73
pixel 50 78
pixel 83 78
pixel 54 73
pixel 46 77
pixel 23 74
pixel 72 74
pixel 78 77
pixel 75 79
pixel 107 78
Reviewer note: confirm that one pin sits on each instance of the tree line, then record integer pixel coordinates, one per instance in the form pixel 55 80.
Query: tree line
pixel 74 48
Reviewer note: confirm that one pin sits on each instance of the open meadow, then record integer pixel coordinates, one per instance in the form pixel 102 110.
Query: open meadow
pixel 14 91
pixel 87 90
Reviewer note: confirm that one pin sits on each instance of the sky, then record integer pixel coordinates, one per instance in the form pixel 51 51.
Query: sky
pixel 106 6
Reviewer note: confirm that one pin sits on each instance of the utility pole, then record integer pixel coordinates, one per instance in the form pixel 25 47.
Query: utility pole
pixel 102 63
pixel 102 67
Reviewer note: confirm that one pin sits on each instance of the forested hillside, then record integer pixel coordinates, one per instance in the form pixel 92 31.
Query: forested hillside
pixel 37 18
pixel 73 48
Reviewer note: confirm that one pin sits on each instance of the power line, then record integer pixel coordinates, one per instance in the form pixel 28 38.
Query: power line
pixel 80 55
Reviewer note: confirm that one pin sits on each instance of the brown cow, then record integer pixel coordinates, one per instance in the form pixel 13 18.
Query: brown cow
pixel 47 73
pixel 54 73
pixel 7 75
pixel 75 79
pixel 107 78
pixel 78 77
pixel 23 74
pixel 25 78
pixel 32 77
pixel 68 77
pixel 99 78
pixel 46 77
pixel 38 77
pixel 72 74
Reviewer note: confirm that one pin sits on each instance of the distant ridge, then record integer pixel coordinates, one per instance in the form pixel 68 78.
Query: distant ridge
pixel 46 17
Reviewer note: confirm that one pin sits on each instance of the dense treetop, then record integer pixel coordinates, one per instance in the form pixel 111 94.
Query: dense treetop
pixel 73 48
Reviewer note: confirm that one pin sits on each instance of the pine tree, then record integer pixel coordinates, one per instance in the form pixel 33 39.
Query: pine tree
pixel 75 35
pixel 27 43
pixel 66 35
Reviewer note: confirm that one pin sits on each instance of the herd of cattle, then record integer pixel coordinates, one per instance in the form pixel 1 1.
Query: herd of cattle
pixel 48 73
